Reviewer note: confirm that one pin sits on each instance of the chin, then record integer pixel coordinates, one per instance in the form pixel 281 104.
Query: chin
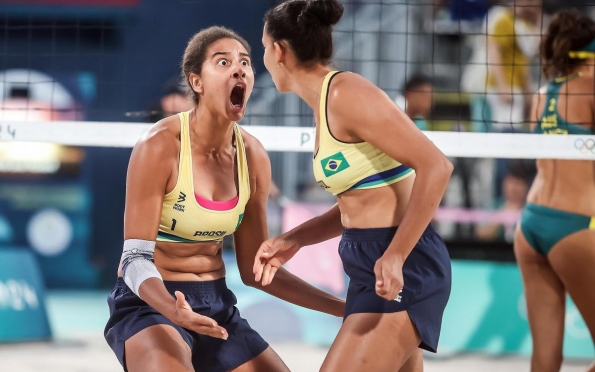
pixel 281 87
pixel 236 116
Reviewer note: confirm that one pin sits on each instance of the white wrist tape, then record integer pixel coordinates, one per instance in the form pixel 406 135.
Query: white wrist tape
pixel 138 264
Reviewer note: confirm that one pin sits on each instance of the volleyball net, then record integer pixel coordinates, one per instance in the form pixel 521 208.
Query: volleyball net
pixel 301 139
pixel 94 75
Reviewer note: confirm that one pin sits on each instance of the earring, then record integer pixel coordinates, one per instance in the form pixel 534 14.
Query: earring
pixel 278 65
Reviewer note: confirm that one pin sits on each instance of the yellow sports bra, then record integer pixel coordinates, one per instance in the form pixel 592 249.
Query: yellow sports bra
pixel 340 166
pixel 186 217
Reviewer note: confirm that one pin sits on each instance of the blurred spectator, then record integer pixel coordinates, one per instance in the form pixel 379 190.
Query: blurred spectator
pixel 514 191
pixel 497 79
pixel 173 101
pixel 416 100
pixel 468 10
pixel 418 92
pixel 512 41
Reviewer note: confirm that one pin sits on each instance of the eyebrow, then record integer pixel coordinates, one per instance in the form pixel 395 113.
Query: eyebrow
pixel 228 53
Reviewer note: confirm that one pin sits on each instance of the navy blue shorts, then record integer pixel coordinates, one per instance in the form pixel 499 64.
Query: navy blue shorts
pixel 426 273
pixel 130 315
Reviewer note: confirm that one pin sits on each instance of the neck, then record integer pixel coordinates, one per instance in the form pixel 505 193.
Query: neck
pixel 586 69
pixel 210 131
pixel 307 84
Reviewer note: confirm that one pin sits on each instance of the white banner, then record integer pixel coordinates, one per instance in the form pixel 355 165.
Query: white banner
pixel 301 139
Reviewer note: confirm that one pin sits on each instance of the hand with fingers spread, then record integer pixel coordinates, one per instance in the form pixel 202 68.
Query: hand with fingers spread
pixel 389 276
pixel 271 255
pixel 185 317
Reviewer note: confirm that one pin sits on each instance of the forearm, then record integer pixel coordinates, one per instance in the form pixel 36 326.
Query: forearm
pixel 154 293
pixel 290 288
pixel 428 189
pixel 319 229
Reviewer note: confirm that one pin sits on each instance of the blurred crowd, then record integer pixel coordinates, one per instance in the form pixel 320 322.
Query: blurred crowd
pixel 497 81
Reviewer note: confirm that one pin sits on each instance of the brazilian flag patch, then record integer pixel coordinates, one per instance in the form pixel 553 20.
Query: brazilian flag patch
pixel 334 164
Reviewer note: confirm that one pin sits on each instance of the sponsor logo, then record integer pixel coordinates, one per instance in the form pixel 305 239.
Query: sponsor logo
pixel 181 198
pixel 215 234
pixel 399 296
pixel 323 185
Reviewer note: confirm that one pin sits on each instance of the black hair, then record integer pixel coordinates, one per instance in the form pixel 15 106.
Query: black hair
pixel 414 82
pixel 307 26
pixel 196 52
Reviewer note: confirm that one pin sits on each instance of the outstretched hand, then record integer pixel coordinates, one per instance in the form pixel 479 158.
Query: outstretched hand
pixel 271 255
pixel 185 317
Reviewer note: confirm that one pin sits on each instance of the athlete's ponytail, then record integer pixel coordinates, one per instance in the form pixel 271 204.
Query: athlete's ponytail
pixel 307 27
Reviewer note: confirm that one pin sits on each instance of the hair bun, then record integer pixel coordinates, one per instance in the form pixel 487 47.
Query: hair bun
pixel 324 12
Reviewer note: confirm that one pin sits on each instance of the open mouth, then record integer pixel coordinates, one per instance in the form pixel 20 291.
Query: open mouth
pixel 237 97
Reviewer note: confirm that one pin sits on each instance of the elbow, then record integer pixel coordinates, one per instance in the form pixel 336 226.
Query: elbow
pixel 446 168
pixel 439 170
pixel 247 277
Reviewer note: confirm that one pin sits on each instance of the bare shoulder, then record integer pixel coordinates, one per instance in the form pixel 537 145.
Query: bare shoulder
pixel 583 85
pixel 349 84
pixel 350 91
pixel 162 139
pixel 352 100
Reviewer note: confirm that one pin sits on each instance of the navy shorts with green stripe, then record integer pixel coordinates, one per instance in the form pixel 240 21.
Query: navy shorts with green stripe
pixel 426 274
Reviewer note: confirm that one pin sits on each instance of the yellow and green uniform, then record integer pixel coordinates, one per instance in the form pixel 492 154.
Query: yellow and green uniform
pixel 183 218
pixel 341 166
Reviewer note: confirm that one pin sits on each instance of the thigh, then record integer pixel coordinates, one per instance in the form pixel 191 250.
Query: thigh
pixel 573 259
pixel 415 363
pixel 372 342
pixel 546 299
pixel 158 348
pixel 267 361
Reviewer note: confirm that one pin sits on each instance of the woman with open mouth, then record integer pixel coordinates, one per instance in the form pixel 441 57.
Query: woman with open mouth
pixel 193 179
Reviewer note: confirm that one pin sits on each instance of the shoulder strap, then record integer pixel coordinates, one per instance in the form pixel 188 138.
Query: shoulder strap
pixel 185 150
pixel 242 160
pixel 323 101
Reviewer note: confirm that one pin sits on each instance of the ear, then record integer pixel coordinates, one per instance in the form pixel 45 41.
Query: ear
pixel 281 49
pixel 195 83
